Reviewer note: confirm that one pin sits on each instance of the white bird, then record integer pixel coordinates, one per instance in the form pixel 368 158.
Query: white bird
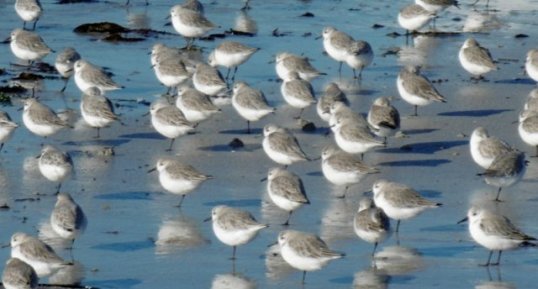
pixel 485 148
pixel 297 92
pixel 7 127
pixel 55 165
pixel 36 254
pixel 286 190
pixel 96 109
pixel 475 59
pixel 370 223
pixel 528 127
pixel 495 232
pixel 413 17
pixel 189 23
pixel 416 89
pixel 28 10
pixel 343 169
pixel 88 75
pixel 65 64
pixel 399 201
pixel 178 178
pixel 304 251
pixel 343 48
pixel 67 218
pixel 384 118
pixel 234 227
pixel 169 121
pixel 531 64
pixel 19 275
pixel 250 103
pixel 287 62
pixel 506 170
pixel 281 146
pixel 231 54
pixel 40 119
pixel 195 105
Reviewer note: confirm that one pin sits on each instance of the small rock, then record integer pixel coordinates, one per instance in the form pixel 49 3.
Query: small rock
pixel 308 126
pixel 4 207
pixel 236 143
pixel 307 14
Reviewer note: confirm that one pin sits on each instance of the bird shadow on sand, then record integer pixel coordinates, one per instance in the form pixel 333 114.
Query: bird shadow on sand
pixel 126 196
pixel 235 203
pixel 425 147
pixel 228 148
pixel 143 135
pixel 126 246
pixel 115 283
pixel 415 163
pixel 101 142
pixel 243 131
pixel 475 113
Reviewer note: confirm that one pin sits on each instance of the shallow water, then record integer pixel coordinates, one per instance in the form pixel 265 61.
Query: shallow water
pixel 136 238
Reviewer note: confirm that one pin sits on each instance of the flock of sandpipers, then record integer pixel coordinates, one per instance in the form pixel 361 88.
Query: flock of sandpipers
pixel 193 86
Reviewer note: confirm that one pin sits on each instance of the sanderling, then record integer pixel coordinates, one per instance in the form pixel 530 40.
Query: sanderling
pixel 88 75
pixel 297 92
pixel 281 146
pixel 343 48
pixel 436 6
pixel 355 138
pixel 193 5
pixel 528 127
pixel 370 223
pixel 505 171
pixel 305 251
pixel 36 253
pixel 532 101
pixel 384 118
pixel 96 109
pixel 413 17
pixel 495 232
pixel 250 103
pixel 6 128
pixel 190 58
pixel 531 64
pixel 332 94
pixel 189 23
pixel 230 55
pixel 65 62
pixel 343 169
pixel 287 62
pixel 169 121
pixel 28 45
pixel 19 275
pixel 178 178
pixel 40 119
pixel 171 72
pixel 55 165
pixel 286 190
pixel 244 23
pixel 67 218
pixel 485 148
pixel 416 89
pixel 475 59
pixel 234 227
pixel 399 201
pixel 246 6
pixel 28 10
pixel 195 105
pixel 341 112
pixel 208 80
